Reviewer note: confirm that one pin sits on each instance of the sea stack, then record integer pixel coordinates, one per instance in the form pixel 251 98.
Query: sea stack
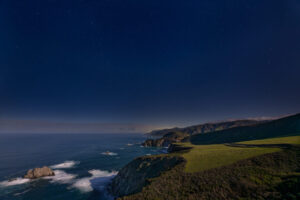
pixel 39 172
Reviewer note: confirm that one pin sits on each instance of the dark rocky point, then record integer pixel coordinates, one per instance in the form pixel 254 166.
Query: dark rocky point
pixel 166 140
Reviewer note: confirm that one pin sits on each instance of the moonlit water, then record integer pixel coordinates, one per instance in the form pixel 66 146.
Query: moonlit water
pixel 83 164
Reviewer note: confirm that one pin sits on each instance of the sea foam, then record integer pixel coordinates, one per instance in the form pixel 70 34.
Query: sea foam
pixel 98 180
pixel 64 165
pixel 16 181
pixel 61 177
pixel 108 153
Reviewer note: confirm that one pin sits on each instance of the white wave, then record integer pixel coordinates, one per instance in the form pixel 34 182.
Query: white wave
pixel 108 153
pixel 84 185
pixel 129 144
pixel 98 180
pixel 64 165
pixel 16 181
pixel 101 173
pixel 61 177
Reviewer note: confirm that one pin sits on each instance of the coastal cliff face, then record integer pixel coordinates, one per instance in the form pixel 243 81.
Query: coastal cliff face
pixel 166 140
pixel 161 142
pixel 135 175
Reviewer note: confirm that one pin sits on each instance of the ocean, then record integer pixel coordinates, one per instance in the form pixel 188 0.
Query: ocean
pixel 83 164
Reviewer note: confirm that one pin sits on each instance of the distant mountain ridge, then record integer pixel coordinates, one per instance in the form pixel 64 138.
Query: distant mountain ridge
pixel 286 126
pixel 207 127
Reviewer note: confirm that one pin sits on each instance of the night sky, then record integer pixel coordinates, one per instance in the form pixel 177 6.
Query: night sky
pixel 152 62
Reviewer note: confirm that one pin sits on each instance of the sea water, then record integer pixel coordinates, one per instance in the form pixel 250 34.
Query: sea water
pixel 83 164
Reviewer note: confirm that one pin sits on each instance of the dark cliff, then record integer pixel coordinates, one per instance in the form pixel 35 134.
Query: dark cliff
pixel 166 140
pixel 135 175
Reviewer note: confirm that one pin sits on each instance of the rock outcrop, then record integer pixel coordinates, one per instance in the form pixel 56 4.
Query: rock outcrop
pixel 135 175
pixel 161 142
pixel 166 140
pixel 39 172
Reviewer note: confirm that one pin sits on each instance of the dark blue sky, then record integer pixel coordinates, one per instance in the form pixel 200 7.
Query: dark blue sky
pixel 152 62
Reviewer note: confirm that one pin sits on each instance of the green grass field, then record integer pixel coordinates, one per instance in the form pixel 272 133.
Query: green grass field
pixel 203 157
pixel 280 140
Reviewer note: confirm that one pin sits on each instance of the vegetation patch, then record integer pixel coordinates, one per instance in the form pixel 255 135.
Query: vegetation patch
pixel 269 176
pixel 203 157
pixel 279 140
pixel 134 176
pixel 257 169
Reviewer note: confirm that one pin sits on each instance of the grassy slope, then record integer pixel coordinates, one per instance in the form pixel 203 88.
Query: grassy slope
pixel 227 172
pixel 202 157
pixel 280 140
pixel 205 157
pixel 242 170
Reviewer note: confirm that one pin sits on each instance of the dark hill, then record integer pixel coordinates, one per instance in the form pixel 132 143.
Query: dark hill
pixel 286 126
pixel 206 128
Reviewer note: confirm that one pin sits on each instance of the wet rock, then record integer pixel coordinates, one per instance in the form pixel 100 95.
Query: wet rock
pixel 39 172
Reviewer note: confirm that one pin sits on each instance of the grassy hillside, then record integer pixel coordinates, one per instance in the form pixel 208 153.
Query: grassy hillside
pixel 280 140
pixel 247 162
pixel 271 176
pixel 287 126
pixel 230 172
pixel 203 157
